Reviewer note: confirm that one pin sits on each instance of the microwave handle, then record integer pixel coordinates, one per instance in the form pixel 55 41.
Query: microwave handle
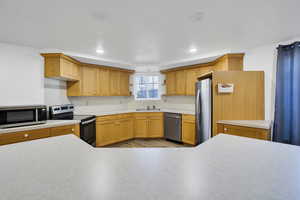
pixel 36 115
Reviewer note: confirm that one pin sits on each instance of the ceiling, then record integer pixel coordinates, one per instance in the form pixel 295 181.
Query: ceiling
pixel 147 33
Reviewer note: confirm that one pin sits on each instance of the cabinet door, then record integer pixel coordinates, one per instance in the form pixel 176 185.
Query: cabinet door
pixel 246 132
pixel 188 132
pixel 114 83
pixel 62 130
pixel 140 127
pixel 75 71
pixel 89 81
pixel 124 84
pixel 180 82
pixel 126 128
pixel 66 68
pixel 191 79
pixel 105 133
pixel 103 82
pixel 155 127
pixel 171 83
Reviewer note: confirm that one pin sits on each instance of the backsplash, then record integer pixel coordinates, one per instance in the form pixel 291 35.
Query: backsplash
pixel 86 104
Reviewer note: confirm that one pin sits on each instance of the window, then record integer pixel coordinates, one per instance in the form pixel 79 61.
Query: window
pixel 147 87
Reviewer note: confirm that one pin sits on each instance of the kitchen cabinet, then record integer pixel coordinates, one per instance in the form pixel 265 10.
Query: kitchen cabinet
pixel 103 87
pixel 89 79
pixel 181 80
pixel 257 133
pixel 124 84
pixel 64 130
pixel 115 83
pixel 140 126
pixel 23 136
pixel 191 79
pixel 105 133
pixel 171 83
pixel 85 79
pixel 113 128
pixel 148 125
pixel 59 66
pixel 188 129
pixel 9 138
pixel 155 126
pixel 126 128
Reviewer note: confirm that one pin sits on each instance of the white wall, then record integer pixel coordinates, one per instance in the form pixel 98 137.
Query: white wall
pixel 21 76
pixel 264 58
pixel 55 92
pixel 22 79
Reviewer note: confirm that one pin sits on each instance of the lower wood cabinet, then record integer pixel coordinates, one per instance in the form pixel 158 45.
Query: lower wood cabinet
pixel 257 133
pixel 121 127
pixel 64 130
pixel 22 136
pixel 113 128
pixel 148 125
pixel 9 138
pixel 188 129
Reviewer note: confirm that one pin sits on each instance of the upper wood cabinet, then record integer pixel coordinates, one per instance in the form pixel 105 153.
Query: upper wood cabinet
pixel 59 66
pixel 124 84
pixel 115 89
pixel 171 83
pixel 85 79
pixel 89 80
pixel 181 80
pixel 103 85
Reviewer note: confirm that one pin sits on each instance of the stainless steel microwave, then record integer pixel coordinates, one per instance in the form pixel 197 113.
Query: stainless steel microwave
pixel 22 116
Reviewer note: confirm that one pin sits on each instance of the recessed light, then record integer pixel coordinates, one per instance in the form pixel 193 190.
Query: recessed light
pixel 100 51
pixel 193 50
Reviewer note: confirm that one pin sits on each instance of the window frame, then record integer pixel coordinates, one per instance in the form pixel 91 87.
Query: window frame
pixel 135 86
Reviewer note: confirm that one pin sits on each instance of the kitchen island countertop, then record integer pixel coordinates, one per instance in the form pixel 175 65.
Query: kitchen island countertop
pixel 223 168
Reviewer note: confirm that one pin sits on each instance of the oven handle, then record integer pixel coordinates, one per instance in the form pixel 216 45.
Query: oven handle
pixel 87 122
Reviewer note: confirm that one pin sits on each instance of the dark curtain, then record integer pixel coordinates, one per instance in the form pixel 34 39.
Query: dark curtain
pixel 287 102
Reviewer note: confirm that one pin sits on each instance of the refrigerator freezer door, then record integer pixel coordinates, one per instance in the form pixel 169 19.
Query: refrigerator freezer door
pixel 203 110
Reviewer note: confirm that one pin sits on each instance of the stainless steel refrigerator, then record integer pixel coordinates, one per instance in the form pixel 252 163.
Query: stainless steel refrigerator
pixel 203 110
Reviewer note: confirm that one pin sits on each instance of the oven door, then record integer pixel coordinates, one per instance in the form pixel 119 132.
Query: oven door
pixel 88 131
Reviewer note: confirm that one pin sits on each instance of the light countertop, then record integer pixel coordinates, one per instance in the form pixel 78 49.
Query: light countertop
pixel 263 124
pixel 48 124
pixel 113 112
pixel 223 168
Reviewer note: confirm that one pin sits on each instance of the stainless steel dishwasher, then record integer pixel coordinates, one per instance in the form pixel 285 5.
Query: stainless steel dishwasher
pixel 172 126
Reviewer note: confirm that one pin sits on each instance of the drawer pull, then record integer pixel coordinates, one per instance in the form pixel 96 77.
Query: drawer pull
pixel 72 129
pixel 26 135
pixel 225 129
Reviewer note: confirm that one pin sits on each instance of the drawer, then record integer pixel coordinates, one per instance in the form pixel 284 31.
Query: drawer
pixel 9 138
pixel 245 131
pixel 62 130
pixel 127 115
pixel 107 118
pixel 140 115
pixel 148 114
pixel 155 114
pixel 188 117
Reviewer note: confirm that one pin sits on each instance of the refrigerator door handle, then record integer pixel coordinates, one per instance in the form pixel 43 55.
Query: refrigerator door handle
pixel 198 109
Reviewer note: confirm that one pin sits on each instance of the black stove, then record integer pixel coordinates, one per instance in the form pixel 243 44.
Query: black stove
pixel 87 122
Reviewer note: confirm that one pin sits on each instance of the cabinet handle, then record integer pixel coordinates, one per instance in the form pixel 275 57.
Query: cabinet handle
pixel 73 130
pixel 26 135
pixel 225 129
